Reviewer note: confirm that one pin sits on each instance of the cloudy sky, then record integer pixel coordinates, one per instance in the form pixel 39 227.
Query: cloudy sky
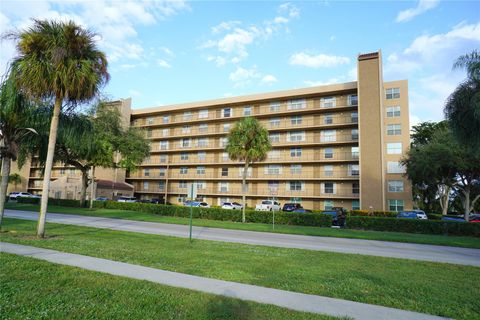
pixel 167 52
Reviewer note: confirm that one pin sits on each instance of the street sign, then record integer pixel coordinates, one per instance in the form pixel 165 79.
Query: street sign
pixel 192 191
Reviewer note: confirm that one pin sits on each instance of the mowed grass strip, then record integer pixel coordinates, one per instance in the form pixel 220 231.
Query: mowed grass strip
pixel 33 289
pixel 467 242
pixel 434 288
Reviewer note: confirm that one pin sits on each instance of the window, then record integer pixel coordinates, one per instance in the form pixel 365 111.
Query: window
pixel 226 127
pixel 146 172
pixel 226 112
pixel 182 184
pixel 295 136
pixel 225 156
pixel 328 119
pixel 149 133
pixel 328 204
pixel 223 187
pixel 354 134
pixel 274 169
pixel 328 171
pixel 392 93
pixel 328 153
pixel 274 154
pixel 355 187
pixel 328 135
pixel 183 170
pixel 62 171
pixel 328 102
pixel 395 167
pixel 393 112
pixel 295 186
pixel 224 172
pixel 186 129
pixel 353 170
pixel 352 100
pixel 296 119
pixel 166 119
pixel 247 111
pixel 200 170
pixel 242 169
pixel 297 104
pixel 147 159
pixel 150 120
pixel 273 185
pixel 201 184
pixel 145 185
pixel 223 142
pixel 355 152
pixel 274 122
pixel 295 152
pixel 184 156
pixel 187 115
pixel 296 169
pixel 354 117
pixel 161 185
pixel 202 127
pixel 202 114
pixel 355 205
pixel 394 129
pixel 394 148
pixel 395 205
pixel 165 132
pixel 163 145
pixel 274 106
pixel 186 143
pixel 274 137
pixel 329 187
pixel 395 186
pixel 161 172
pixel 163 158
pixel 201 156
pixel 222 200
pixel 202 142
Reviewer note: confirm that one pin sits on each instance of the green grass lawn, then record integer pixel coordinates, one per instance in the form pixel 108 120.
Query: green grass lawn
pixel 441 289
pixel 467 242
pixel 33 289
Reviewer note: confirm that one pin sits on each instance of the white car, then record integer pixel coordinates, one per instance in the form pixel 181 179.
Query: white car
pixel 232 206
pixel 268 205
pixel 127 199
pixel 15 195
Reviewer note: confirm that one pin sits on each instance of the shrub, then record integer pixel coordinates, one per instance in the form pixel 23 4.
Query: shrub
pixel 365 213
pixel 51 201
pixel 28 200
pixel 414 226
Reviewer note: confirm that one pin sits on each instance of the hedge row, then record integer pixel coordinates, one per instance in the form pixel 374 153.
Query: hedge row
pixel 414 226
pixel 55 202
pixel 309 219
pixel 365 213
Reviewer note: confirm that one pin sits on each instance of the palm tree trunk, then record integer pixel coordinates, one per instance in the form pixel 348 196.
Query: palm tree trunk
pixel 244 189
pixel 466 203
pixel 4 185
pixel 52 139
pixel 92 192
pixel 84 185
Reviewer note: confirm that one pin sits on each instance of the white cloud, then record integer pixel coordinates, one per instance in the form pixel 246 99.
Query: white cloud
pixel 311 83
pixel 163 64
pixel 423 6
pixel 167 51
pixel 226 25
pixel 317 61
pixel 269 79
pixel 242 76
pixel 289 9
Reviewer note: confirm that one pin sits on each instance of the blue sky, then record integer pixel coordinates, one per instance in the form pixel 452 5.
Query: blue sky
pixel 167 52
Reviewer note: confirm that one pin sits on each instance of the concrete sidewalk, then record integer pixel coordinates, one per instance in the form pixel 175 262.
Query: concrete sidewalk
pixel 444 254
pixel 281 298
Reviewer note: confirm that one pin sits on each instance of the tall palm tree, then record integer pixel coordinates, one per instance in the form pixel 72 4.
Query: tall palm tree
pixel 15 116
pixel 58 61
pixel 470 62
pixel 248 141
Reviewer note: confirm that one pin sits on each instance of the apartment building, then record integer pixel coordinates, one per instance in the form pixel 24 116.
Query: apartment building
pixel 335 145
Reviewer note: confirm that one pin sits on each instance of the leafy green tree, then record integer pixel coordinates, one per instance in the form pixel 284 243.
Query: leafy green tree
pixel 248 141
pixel 59 62
pixel 14 178
pixel 15 121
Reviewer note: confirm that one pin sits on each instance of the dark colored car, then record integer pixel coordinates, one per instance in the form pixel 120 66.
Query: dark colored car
pixel 453 218
pixel 289 207
pixel 302 210
pixel 407 215
pixel 101 199
pixel 157 201
pixel 339 216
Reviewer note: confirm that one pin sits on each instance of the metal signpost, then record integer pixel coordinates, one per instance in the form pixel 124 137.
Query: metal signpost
pixel 192 194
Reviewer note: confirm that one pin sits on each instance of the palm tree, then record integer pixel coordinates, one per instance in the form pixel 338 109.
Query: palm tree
pixel 15 115
pixel 58 61
pixel 470 62
pixel 248 141
pixel 15 178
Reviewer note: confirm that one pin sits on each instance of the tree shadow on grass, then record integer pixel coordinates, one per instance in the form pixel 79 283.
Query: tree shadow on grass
pixel 227 308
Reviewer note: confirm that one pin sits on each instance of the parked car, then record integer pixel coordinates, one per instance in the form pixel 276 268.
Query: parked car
pixel 291 207
pixel 200 204
pixel 302 210
pixel 187 202
pixel 101 199
pixel 15 195
pixel 339 216
pixel 127 199
pixel 157 201
pixel 456 218
pixel 475 218
pixel 232 206
pixel 268 205
pixel 413 214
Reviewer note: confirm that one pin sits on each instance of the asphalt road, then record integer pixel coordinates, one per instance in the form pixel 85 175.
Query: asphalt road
pixel 433 253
